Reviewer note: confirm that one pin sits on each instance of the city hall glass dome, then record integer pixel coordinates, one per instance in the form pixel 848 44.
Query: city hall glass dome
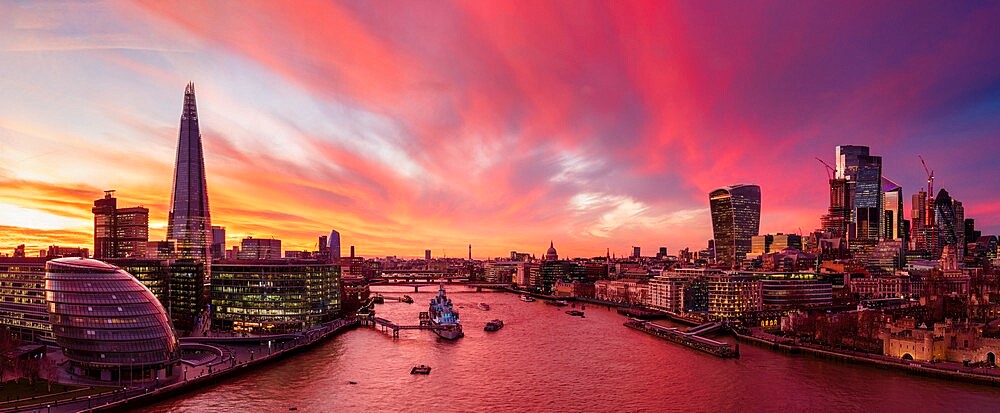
pixel 105 319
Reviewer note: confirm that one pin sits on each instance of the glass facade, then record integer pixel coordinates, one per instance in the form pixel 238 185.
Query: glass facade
pixel 273 297
pixel 178 284
pixel 22 299
pixel 106 320
pixel 189 224
pixel 786 291
pixel 858 168
pixel 950 217
pixel 187 291
pixel 735 220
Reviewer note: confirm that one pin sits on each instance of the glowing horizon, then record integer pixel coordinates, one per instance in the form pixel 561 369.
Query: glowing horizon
pixel 503 125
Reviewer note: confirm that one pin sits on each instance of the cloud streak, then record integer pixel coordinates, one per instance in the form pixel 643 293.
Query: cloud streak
pixel 409 126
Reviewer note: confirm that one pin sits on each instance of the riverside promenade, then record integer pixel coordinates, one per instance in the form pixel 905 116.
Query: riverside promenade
pixel 945 370
pixel 232 356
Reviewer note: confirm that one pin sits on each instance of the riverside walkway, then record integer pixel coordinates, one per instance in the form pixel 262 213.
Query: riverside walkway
pixel 237 356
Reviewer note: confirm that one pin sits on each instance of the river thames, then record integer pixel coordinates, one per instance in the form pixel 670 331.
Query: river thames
pixel 546 360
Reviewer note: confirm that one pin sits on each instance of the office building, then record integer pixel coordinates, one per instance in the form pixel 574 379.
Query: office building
pixel 23 312
pixel 274 296
pixel 864 172
pixel 218 242
pixel 892 215
pixel 950 217
pixel 791 290
pixel 735 220
pixel 260 249
pixel 119 232
pixel 838 215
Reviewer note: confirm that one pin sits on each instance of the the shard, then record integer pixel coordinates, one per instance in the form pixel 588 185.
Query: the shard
pixel 189 226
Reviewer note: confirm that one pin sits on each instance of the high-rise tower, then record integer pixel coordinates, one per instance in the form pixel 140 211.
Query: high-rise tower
pixel 119 232
pixel 735 220
pixel 863 173
pixel 189 225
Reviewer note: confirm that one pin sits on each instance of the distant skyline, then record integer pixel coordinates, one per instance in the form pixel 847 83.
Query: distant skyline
pixel 409 126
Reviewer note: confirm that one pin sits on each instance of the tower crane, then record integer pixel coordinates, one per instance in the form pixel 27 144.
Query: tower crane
pixel 829 169
pixel 930 177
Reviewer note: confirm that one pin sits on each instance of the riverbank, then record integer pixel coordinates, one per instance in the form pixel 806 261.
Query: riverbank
pixel 951 371
pixel 224 369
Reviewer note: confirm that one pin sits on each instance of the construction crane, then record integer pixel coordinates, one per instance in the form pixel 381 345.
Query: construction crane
pixel 829 168
pixel 930 177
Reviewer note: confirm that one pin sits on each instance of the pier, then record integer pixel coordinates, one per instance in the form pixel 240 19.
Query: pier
pixel 388 326
pixel 689 339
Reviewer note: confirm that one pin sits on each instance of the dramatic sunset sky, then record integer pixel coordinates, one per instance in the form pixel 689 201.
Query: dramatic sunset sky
pixel 409 125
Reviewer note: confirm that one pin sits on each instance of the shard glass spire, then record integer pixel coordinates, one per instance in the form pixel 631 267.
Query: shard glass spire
pixel 189 225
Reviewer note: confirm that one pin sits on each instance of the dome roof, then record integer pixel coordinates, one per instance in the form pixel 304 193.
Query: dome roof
pixel 73 263
pixel 102 315
pixel 551 254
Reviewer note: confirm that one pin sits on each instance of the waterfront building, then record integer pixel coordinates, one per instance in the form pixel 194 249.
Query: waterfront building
pixel 274 296
pixel 108 324
pixel 187 294
pixel 218 242
pixel 119 232
pixel 735 220
pixel 794 290
pixel 628 292
pixel 354 292
pixel 680 290
pixel 22 299
pixel 666 292
pixel 558 270
pixel 260 249
pixel 500 271
pixel 189 224
pixel 427 255
pixel 732 295
pixel 525 272
pixel 573 289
